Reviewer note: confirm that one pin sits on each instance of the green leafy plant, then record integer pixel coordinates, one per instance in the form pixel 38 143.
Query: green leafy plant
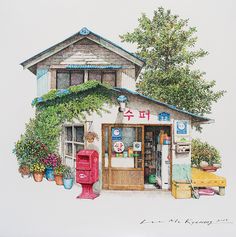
pixel 202 151
pixel 59 170
pixel 167 43
pixel 29 150
pixel 51 161
pixel 59 106
pixel 67 173
pixel 37 167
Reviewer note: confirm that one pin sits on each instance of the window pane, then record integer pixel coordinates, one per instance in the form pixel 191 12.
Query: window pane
pixel 79 134
pixel 69 149
pixel 77 78
pixel 109 77
pixel 126 147
pixel 70 162
pixel 78 148
pixel 95 75
pixel 63 80
pixel 68 133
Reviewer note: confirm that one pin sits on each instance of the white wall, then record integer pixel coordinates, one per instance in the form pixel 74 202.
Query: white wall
pixel 135 104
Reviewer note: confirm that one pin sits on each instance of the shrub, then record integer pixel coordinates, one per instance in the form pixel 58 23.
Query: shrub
pixel 202 151
pixel 29 151
pixel 68 173
pixel 37 167
pixel 51 161
pixel 59 170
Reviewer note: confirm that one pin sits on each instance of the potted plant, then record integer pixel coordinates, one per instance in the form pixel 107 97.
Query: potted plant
pixel 29 151
pixel 24 170
pixel 58 174
pixel 38 169
pixel 205 156
pixel 68 177
pixel 51 161
pixel 90 136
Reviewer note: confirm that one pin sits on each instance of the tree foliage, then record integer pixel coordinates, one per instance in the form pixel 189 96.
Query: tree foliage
pixel 167 43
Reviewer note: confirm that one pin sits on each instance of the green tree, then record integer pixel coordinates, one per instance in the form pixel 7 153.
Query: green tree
pixel 167 43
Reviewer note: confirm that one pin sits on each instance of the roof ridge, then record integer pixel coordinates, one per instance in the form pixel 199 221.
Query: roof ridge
pixel 83 32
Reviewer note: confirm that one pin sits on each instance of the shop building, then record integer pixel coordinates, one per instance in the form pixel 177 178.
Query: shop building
pixel 140 138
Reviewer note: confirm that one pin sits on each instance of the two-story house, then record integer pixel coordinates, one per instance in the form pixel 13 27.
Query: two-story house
pixel 140 138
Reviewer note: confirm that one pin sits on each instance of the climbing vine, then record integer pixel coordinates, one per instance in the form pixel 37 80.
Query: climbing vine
pixel 60 106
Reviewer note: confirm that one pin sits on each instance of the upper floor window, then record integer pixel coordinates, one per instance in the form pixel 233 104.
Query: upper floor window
pixel 66 79
pixel 103 77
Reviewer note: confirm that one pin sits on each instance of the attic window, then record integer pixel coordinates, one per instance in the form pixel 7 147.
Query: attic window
pixel 69 78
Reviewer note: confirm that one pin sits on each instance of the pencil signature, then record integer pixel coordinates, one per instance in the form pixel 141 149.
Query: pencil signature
pixel 188 221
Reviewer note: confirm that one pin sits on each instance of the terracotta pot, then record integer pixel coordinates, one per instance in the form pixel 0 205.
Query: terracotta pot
pixel 24 170
pixel 217 165
pixel 38 176
pixel 210 168
pixel 58 179
pixel 90 140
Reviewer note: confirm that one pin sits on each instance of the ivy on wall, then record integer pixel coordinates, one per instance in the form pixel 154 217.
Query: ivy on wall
pixel 60 106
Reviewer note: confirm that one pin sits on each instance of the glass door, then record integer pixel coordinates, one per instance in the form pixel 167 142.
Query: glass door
pixel 125 158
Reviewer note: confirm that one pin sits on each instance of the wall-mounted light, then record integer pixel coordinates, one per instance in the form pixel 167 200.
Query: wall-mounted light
pixel 122 99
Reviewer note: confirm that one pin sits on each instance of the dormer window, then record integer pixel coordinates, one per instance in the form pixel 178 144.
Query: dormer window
pixel 66 79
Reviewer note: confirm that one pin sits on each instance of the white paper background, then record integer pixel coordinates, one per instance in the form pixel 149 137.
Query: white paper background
pixel 30 209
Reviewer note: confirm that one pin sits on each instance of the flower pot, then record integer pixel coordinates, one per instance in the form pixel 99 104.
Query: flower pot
pixel 152 179
pixel 68 183
pixel 58 179
pixel 217 165
pixel 49 174
pixel 90 139
pixel 210 168
pixel 38 176
pixel 24 171
pixel 26 176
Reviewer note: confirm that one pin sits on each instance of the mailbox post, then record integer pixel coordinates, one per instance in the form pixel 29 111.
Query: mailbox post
pixel 87 172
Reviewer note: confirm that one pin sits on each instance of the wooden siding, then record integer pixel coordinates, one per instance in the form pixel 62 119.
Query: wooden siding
pixel 86 52
pixel 128 79
pixel 123 179
pixel 126 179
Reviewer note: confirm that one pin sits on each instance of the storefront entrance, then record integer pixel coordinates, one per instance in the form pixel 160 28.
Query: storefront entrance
pixel 123 157
pixel 126 159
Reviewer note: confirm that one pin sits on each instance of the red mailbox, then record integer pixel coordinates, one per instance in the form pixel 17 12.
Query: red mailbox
pixel 87 172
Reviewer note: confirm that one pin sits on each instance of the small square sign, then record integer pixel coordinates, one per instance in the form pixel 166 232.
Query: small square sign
pixel 116 134
pixel 182 127
pixel 164 116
